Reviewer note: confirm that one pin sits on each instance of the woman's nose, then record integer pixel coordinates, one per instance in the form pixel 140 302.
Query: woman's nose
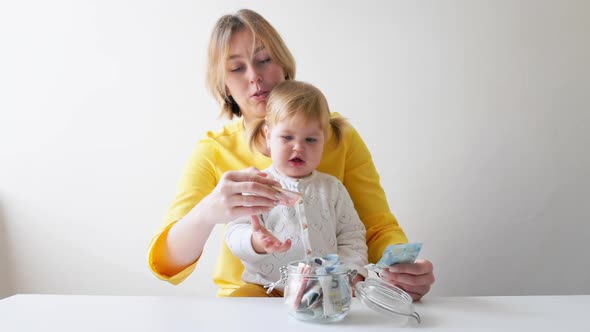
pixel 255 76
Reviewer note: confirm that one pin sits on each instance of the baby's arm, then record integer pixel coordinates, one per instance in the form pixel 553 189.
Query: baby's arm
pixel 264 242
pixel 238 234
pixel 250 241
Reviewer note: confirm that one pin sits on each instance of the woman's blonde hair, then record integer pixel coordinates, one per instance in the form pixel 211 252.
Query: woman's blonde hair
pixel 291 98
pixel 218 53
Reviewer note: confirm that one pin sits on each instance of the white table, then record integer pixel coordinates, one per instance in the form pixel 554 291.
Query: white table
pixel 76 313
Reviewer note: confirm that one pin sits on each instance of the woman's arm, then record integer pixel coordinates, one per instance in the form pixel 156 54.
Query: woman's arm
pixel 202 202
pixel 187 237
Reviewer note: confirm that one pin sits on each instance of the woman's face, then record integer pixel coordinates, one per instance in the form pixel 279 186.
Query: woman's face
pixel 250 75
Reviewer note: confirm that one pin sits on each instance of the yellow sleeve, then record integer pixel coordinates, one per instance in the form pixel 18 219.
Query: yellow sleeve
pixel 363 184
pixel 156 256
pixel 199 178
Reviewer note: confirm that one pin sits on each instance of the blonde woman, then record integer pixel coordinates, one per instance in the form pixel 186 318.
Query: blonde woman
pixel 246 59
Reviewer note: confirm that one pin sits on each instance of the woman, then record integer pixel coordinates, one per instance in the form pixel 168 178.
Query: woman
pixel 246 59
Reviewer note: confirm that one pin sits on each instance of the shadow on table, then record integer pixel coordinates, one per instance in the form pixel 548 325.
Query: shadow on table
pixel 6 282
pixel 475 309
pixel 370 317
pixel 436 313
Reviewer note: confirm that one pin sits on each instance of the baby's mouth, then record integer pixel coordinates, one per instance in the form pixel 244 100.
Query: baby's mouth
pixel 296 161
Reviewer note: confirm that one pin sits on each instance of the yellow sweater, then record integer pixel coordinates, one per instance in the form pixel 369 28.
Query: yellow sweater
pixel 226 150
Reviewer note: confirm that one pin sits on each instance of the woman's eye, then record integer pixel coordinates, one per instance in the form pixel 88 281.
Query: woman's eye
pixel 265 60
pixel 236 69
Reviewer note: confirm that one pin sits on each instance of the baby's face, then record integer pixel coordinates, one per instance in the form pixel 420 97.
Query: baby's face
pixel 296 146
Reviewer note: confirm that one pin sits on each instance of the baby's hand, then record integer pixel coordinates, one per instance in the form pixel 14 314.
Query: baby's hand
pixel 263 242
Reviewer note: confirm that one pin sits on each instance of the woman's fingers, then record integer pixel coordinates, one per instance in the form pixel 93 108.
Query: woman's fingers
pixel 254 200
pixel 408 279
pixel 416 292
pixel 416 278
pixel 247 188
pixel 420 267
pixel 411 284
pixel 250 175
pixel 242 193
pixel 253 188
pixel 239 211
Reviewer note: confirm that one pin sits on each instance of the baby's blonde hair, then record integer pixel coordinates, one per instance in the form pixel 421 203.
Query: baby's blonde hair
pixel 218 53
pixel 290 98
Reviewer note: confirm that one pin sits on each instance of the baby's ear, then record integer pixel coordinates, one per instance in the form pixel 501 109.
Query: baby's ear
pixel 266 132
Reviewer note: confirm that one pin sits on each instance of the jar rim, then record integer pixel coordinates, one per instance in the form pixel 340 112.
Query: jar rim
pixel 293 266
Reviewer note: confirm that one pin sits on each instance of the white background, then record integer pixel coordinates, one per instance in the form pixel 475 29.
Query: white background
pixel 476 112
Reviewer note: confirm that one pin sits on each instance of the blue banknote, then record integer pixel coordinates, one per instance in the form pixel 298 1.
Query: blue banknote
pixel 399 253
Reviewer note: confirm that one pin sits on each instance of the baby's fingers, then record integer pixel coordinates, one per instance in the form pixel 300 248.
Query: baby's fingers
pixel 256 226
pixel 277 246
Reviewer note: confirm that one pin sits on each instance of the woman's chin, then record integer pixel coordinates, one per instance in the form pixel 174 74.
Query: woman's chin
pixel 259 108
pixel 254 115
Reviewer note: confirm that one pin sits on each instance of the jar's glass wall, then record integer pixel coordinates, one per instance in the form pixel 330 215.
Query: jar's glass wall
pixel 318 298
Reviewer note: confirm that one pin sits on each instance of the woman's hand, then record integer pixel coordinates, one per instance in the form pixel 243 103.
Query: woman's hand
pixel 415 278
pixel 238 194
pixel 358 278
pixel 263 242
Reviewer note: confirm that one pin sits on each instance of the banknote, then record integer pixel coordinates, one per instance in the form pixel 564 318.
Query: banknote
pixel 395 254
pixel 287 197
pixel 399 253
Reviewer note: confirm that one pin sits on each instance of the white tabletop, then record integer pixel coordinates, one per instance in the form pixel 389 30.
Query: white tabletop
pixel 77 313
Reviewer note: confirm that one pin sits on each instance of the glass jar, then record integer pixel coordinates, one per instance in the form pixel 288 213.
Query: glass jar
pixel 319 295
pixel 324 294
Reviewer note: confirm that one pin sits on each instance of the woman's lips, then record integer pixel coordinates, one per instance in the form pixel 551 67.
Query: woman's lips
pixel 260 96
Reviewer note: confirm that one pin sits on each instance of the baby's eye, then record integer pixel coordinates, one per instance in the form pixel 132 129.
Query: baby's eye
pixel 311 140
pixel 287 137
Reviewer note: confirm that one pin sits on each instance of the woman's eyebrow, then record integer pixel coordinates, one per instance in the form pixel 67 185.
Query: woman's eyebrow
pixel 237 56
